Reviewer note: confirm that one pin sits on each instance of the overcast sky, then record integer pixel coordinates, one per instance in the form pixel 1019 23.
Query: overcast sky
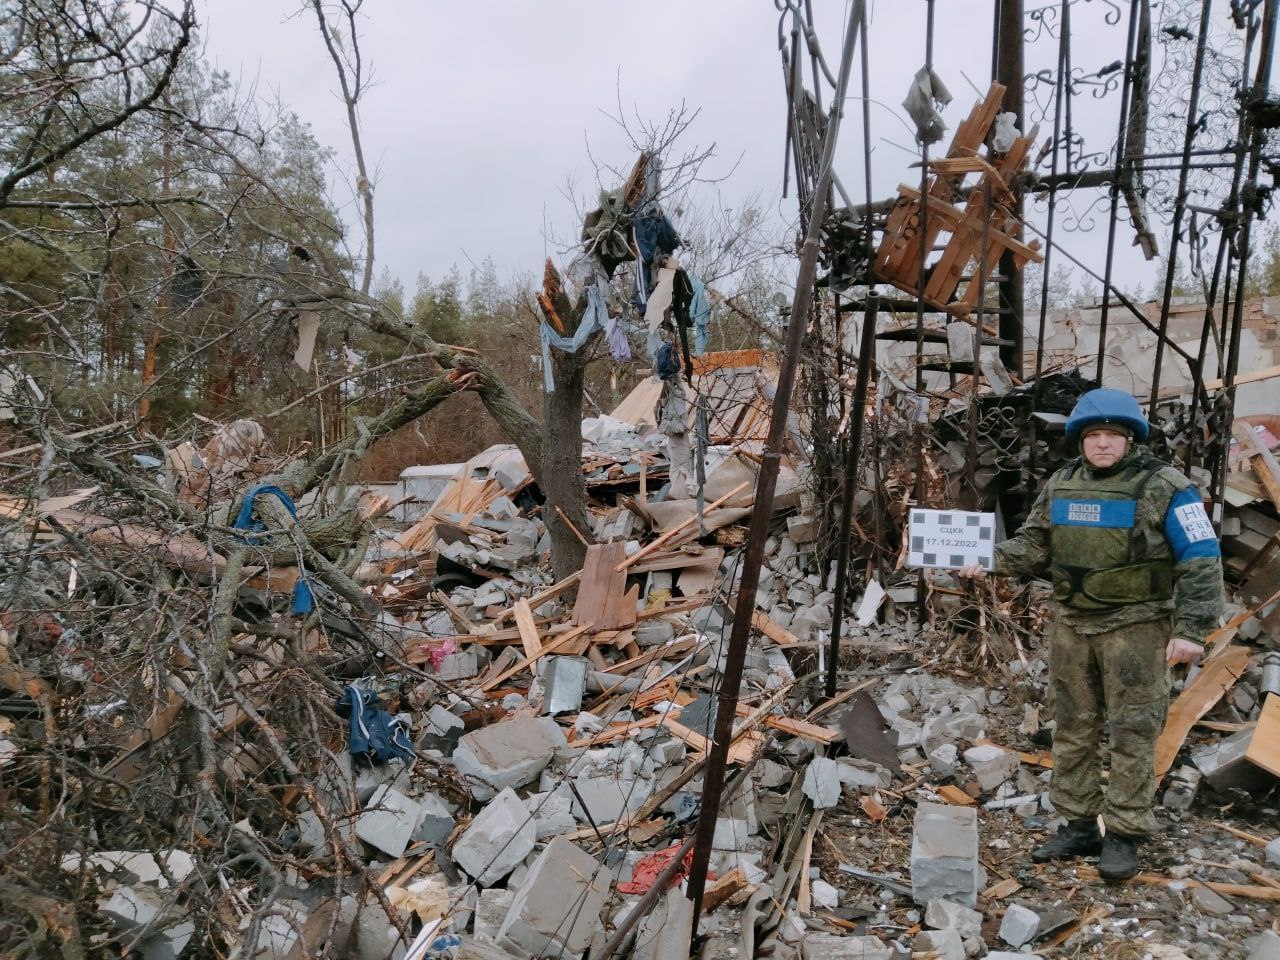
pixel 484 110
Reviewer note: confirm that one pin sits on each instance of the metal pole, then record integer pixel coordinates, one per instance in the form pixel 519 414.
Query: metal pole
pixel 762 509
pixel 866 352
pixel 1180 201
pixel 1122 146
pixel 1260 87
pixel 1009 70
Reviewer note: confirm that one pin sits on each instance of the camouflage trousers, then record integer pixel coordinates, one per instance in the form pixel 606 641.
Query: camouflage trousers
pixel 1118 679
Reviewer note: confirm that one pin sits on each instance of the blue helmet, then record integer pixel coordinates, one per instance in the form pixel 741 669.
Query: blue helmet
pixel 1105 405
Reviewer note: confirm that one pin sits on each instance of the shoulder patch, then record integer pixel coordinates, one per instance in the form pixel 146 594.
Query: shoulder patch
pixel 1187 527
pixel 1194 521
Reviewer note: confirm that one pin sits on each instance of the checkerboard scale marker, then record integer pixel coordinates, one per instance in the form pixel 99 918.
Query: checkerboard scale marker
pixel 950 539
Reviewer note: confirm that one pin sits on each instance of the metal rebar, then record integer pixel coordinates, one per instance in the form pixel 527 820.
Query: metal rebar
pixel 866 352
pixel 1180 201
pixel 766 483
pixel 1122 146
pixel 1009 71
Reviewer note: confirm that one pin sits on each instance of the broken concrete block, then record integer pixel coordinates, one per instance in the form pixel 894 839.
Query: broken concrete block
pixel 167 944
pixel 947 944
pixel 436 821
pixel 127 866
pixel 731 834
pixel 944 854
pixel 459 666
pixel 1224 765
pixel 949 915
pixel 563 679
pixel 1019 925
pixel 802 529
pixel 822 783
pixel 654 633
pixel 1010 955
pixel 388 821
pixel 829 946
pixel 552 813
pixel 492 907
pixel 992 765
pixel 133 907
pixel 1183 783
pixel 942 759
pixel 500 836
pixel 1265 946
pixel 557 909
pixel 1273 852
pixel 862 775
pixel 607 798
pixel 824 894
pixel 507 754
pixel 667 930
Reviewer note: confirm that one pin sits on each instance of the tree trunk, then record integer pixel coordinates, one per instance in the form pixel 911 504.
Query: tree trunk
pixel 561 479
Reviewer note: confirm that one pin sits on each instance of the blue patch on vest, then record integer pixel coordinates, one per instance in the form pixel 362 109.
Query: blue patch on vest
pixel 1112 514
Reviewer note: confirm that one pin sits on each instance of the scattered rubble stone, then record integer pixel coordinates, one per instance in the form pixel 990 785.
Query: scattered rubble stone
pixel 822 782
pixel 947 943
pixel 949 915
pixel 992 765
pixel 500 836
pixel 507 754
pixel 557 908
pixel 389 821
pixel 1019 925
pixel 827 946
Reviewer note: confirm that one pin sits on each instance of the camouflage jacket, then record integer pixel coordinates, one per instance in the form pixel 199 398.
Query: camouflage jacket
pixel 1169 524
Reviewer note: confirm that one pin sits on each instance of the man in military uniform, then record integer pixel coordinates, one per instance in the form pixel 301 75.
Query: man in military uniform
pixel 1137 583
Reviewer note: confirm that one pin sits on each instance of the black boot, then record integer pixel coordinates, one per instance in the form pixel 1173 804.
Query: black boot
pixel 1079 838
pixel 1119 859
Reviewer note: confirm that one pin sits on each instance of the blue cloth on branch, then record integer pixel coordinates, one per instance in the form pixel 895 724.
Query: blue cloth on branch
pixel 594 318
pixel 303 598
pixel 700 314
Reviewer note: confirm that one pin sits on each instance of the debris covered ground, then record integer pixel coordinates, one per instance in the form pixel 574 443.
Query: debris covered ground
pixel 503 765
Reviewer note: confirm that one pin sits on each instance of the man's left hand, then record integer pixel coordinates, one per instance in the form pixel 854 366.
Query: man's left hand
pixel 1182 651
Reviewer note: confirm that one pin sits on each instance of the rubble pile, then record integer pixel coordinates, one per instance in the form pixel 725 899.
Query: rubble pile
pixel 426 746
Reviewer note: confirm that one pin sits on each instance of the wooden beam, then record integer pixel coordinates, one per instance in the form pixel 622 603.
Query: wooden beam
pixel 1267 373
pixel 529 638
pixel 558 643
pixel 667 537
pixel 1216 677
pixel 1263 460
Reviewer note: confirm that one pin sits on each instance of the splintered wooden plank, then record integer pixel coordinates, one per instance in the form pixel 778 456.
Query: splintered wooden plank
pixel 1216 677
pixel 773 630
pixel 1264 746
pixel 529 638
pixel 898 257
pixel 559 643
pixel 603 599
pixel 742 750
pixel 955 796
pixel 1262 460
pixel 795 728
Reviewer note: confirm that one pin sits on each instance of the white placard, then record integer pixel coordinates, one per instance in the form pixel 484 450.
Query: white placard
pixel 950 539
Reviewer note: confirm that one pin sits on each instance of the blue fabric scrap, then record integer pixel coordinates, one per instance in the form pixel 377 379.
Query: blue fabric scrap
pixel 375 735
pixel 303 599
pixel 700 313
pixel 594 318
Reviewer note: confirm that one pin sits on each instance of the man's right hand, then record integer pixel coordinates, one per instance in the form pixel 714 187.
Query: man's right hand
pixel 974 571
